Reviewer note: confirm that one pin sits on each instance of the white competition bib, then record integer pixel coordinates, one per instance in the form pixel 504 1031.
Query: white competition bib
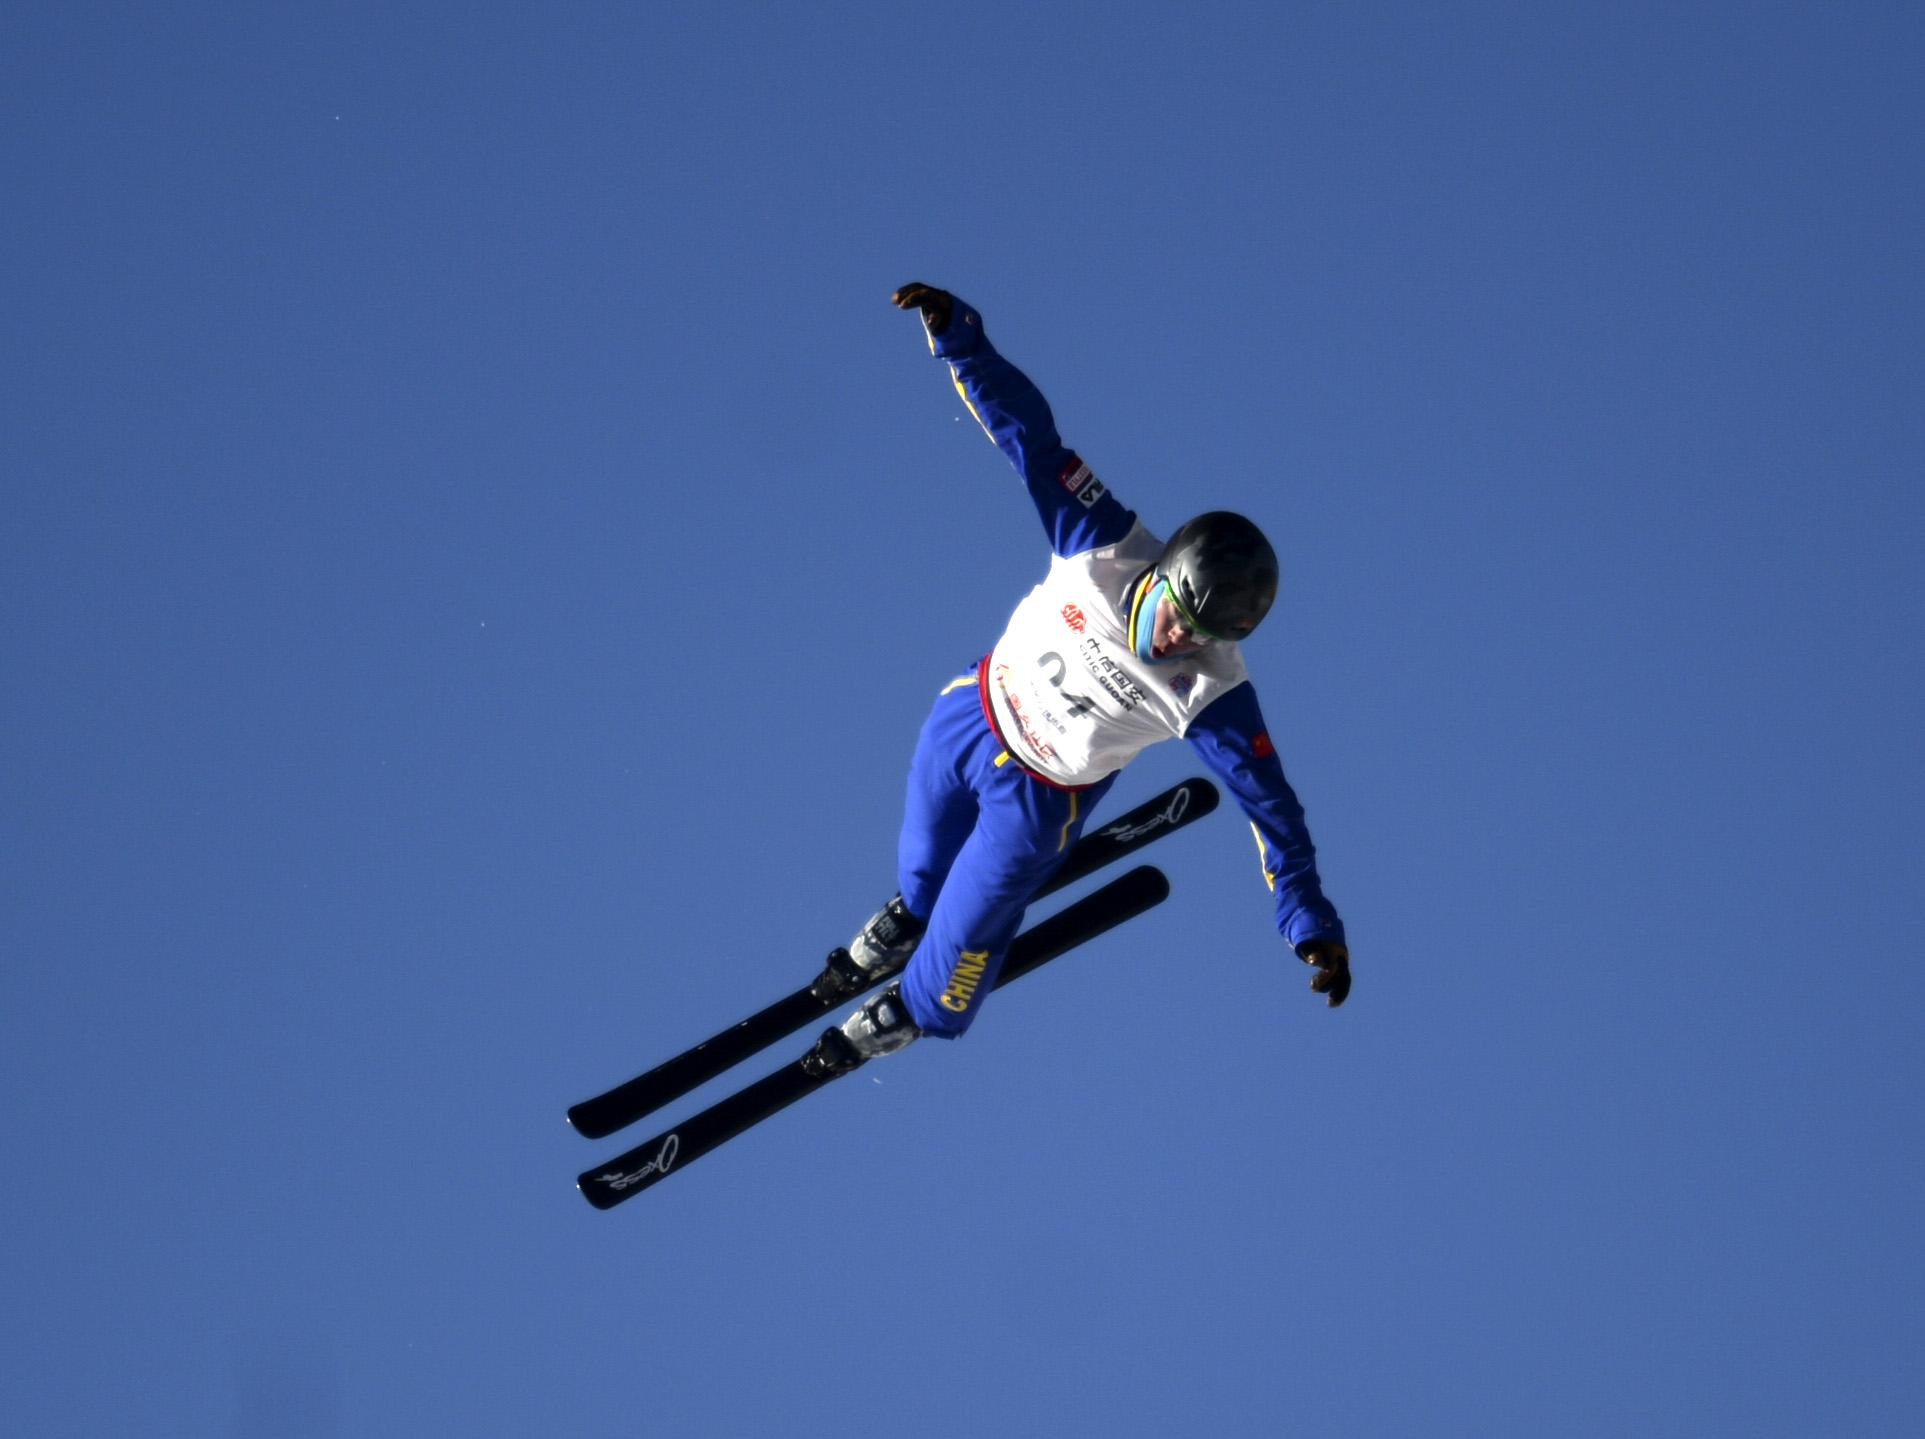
pixel 1069 694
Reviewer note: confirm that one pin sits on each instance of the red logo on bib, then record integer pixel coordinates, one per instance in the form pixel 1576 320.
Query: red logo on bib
pixel 1260 747
pixel 1073 617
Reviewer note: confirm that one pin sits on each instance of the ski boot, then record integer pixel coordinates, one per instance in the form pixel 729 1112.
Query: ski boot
pixel 881 948
pixel 882 1026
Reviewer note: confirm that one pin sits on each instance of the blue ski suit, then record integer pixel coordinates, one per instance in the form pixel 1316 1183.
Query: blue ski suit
pixel 981 833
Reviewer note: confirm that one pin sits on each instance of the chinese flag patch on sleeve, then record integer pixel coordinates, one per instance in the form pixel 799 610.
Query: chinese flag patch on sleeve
pixel 1260 747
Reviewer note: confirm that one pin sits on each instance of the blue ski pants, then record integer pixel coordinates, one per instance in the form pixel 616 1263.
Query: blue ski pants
pixel 980 835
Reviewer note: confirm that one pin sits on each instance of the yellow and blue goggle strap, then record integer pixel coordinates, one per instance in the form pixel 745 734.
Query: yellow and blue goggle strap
pixel 1143 610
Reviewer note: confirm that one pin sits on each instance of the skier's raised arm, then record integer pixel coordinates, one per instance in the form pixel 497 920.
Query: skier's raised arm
pixel 1077 511
pixel 1233 740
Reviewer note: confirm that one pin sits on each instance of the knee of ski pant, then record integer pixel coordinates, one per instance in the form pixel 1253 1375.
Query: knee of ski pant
pixel 945 986
pixel 919 891
pixel 932 1019
pixel 1031 835
pixel 925 855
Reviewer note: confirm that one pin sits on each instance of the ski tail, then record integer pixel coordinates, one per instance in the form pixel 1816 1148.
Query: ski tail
pixel 1180 805
pixel 621 1106
pixel 646 1165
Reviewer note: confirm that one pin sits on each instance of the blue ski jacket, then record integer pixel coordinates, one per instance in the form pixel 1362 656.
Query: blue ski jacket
pixel 1230 733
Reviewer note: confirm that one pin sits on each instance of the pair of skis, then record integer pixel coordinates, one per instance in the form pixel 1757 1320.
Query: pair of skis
pixel 628 1174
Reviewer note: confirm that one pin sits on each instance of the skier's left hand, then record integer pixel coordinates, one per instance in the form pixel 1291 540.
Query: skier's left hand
pixel 1332 960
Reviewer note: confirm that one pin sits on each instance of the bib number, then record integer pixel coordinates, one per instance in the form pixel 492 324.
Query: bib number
pixel 1078 704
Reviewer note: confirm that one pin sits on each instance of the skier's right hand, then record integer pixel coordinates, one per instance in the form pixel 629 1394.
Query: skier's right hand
pixel 935 304
pixel 1332 961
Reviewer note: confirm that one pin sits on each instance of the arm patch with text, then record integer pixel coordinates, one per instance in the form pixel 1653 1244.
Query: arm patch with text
pixel 1077 479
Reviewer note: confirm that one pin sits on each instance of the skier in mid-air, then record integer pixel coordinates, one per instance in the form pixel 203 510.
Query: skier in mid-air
pixel 1127 641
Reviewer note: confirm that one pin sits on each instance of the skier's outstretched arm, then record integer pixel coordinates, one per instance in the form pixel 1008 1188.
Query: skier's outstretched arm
pixel 1078 512
pixel 1233 740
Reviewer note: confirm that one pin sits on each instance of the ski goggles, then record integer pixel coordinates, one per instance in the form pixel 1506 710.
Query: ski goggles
pixel 1189 620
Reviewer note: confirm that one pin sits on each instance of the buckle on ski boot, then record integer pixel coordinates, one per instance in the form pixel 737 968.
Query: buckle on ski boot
pixel 841 978
pixel 834 1054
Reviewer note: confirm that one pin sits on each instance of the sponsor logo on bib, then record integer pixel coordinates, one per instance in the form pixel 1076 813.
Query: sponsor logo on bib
pixel 1073 617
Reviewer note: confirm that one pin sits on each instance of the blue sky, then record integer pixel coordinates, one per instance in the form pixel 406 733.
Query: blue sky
pixel 478 547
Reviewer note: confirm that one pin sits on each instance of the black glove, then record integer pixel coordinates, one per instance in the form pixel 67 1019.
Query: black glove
pixel 935 304
pixel 1332 959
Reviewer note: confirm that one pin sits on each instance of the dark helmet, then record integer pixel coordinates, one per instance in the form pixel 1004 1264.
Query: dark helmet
pixel 1222 572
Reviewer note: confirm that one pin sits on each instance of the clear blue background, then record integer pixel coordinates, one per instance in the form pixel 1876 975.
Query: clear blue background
pixel 477 547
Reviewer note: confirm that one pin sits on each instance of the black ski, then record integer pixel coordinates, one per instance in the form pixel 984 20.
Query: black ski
pixel 621 1106
pixel 629 1174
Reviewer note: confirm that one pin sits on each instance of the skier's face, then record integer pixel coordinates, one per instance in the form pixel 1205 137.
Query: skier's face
pixel 1171 636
